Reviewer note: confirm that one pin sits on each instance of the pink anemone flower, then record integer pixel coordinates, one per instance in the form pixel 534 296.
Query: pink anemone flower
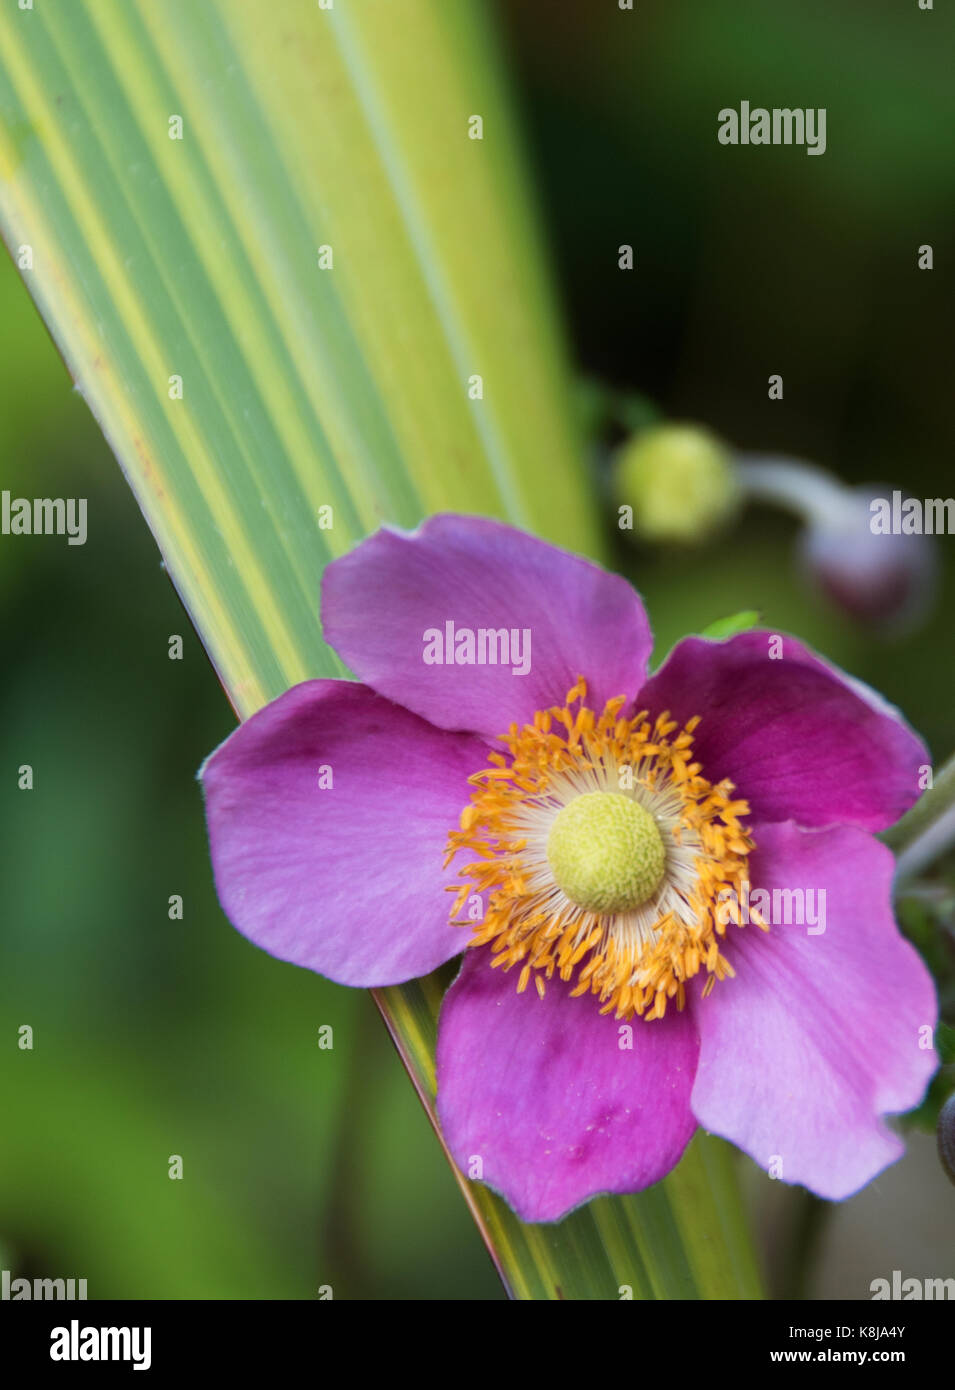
pixel 671 905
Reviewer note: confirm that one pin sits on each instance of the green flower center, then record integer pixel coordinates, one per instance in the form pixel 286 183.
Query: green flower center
pixel 605 852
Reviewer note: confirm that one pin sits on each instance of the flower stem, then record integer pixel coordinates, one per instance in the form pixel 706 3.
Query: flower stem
pixel 926 831
pixel 809 1221
pixel 803 488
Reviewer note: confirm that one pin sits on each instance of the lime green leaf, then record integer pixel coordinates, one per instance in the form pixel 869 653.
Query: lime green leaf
pixel 301 301
pixel 729 627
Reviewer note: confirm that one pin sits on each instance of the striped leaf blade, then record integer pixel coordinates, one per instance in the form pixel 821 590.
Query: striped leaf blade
pixel 274 261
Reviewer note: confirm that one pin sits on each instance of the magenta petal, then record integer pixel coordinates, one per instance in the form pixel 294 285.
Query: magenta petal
pixel 544 1095
pixel 818 1035
pixel 380 600
pixel 799 739
pixel 345 880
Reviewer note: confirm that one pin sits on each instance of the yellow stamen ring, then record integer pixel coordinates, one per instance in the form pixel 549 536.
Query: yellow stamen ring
pixel 602 852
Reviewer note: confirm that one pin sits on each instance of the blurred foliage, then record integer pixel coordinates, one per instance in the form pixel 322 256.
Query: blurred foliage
pixel 926 913
pixel 750 261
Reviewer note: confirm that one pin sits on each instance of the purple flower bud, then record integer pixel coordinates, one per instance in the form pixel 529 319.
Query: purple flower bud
pixel 882 579
pixel 857 545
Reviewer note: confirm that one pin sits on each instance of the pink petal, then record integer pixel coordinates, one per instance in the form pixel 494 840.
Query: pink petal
pixel 380 600
pixel 543 1093
pixel 800 739
pixel 345 880
pixel 818 1036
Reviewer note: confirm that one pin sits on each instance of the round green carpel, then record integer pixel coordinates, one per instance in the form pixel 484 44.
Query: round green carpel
pixel 605 852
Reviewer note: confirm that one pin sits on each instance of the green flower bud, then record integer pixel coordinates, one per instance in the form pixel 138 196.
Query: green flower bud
pixel 675 483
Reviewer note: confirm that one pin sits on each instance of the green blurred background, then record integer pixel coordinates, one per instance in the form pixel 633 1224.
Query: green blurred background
pixel 305 1167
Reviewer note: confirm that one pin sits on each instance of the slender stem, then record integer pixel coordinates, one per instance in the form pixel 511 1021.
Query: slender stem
pixel 928 830
pixel 809 1220
pixel 933 842
pixel 809 491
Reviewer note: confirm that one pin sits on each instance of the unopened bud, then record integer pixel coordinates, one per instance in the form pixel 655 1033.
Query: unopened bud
pixel 678 481
pixel 886 580
pixel 875 573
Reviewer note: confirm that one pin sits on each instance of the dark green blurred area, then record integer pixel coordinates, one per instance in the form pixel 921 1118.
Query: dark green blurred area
pixel 760 260
pixel 305 1167
pixel 302 1166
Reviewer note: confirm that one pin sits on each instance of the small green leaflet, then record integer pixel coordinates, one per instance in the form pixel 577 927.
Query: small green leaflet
pixel 729 627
